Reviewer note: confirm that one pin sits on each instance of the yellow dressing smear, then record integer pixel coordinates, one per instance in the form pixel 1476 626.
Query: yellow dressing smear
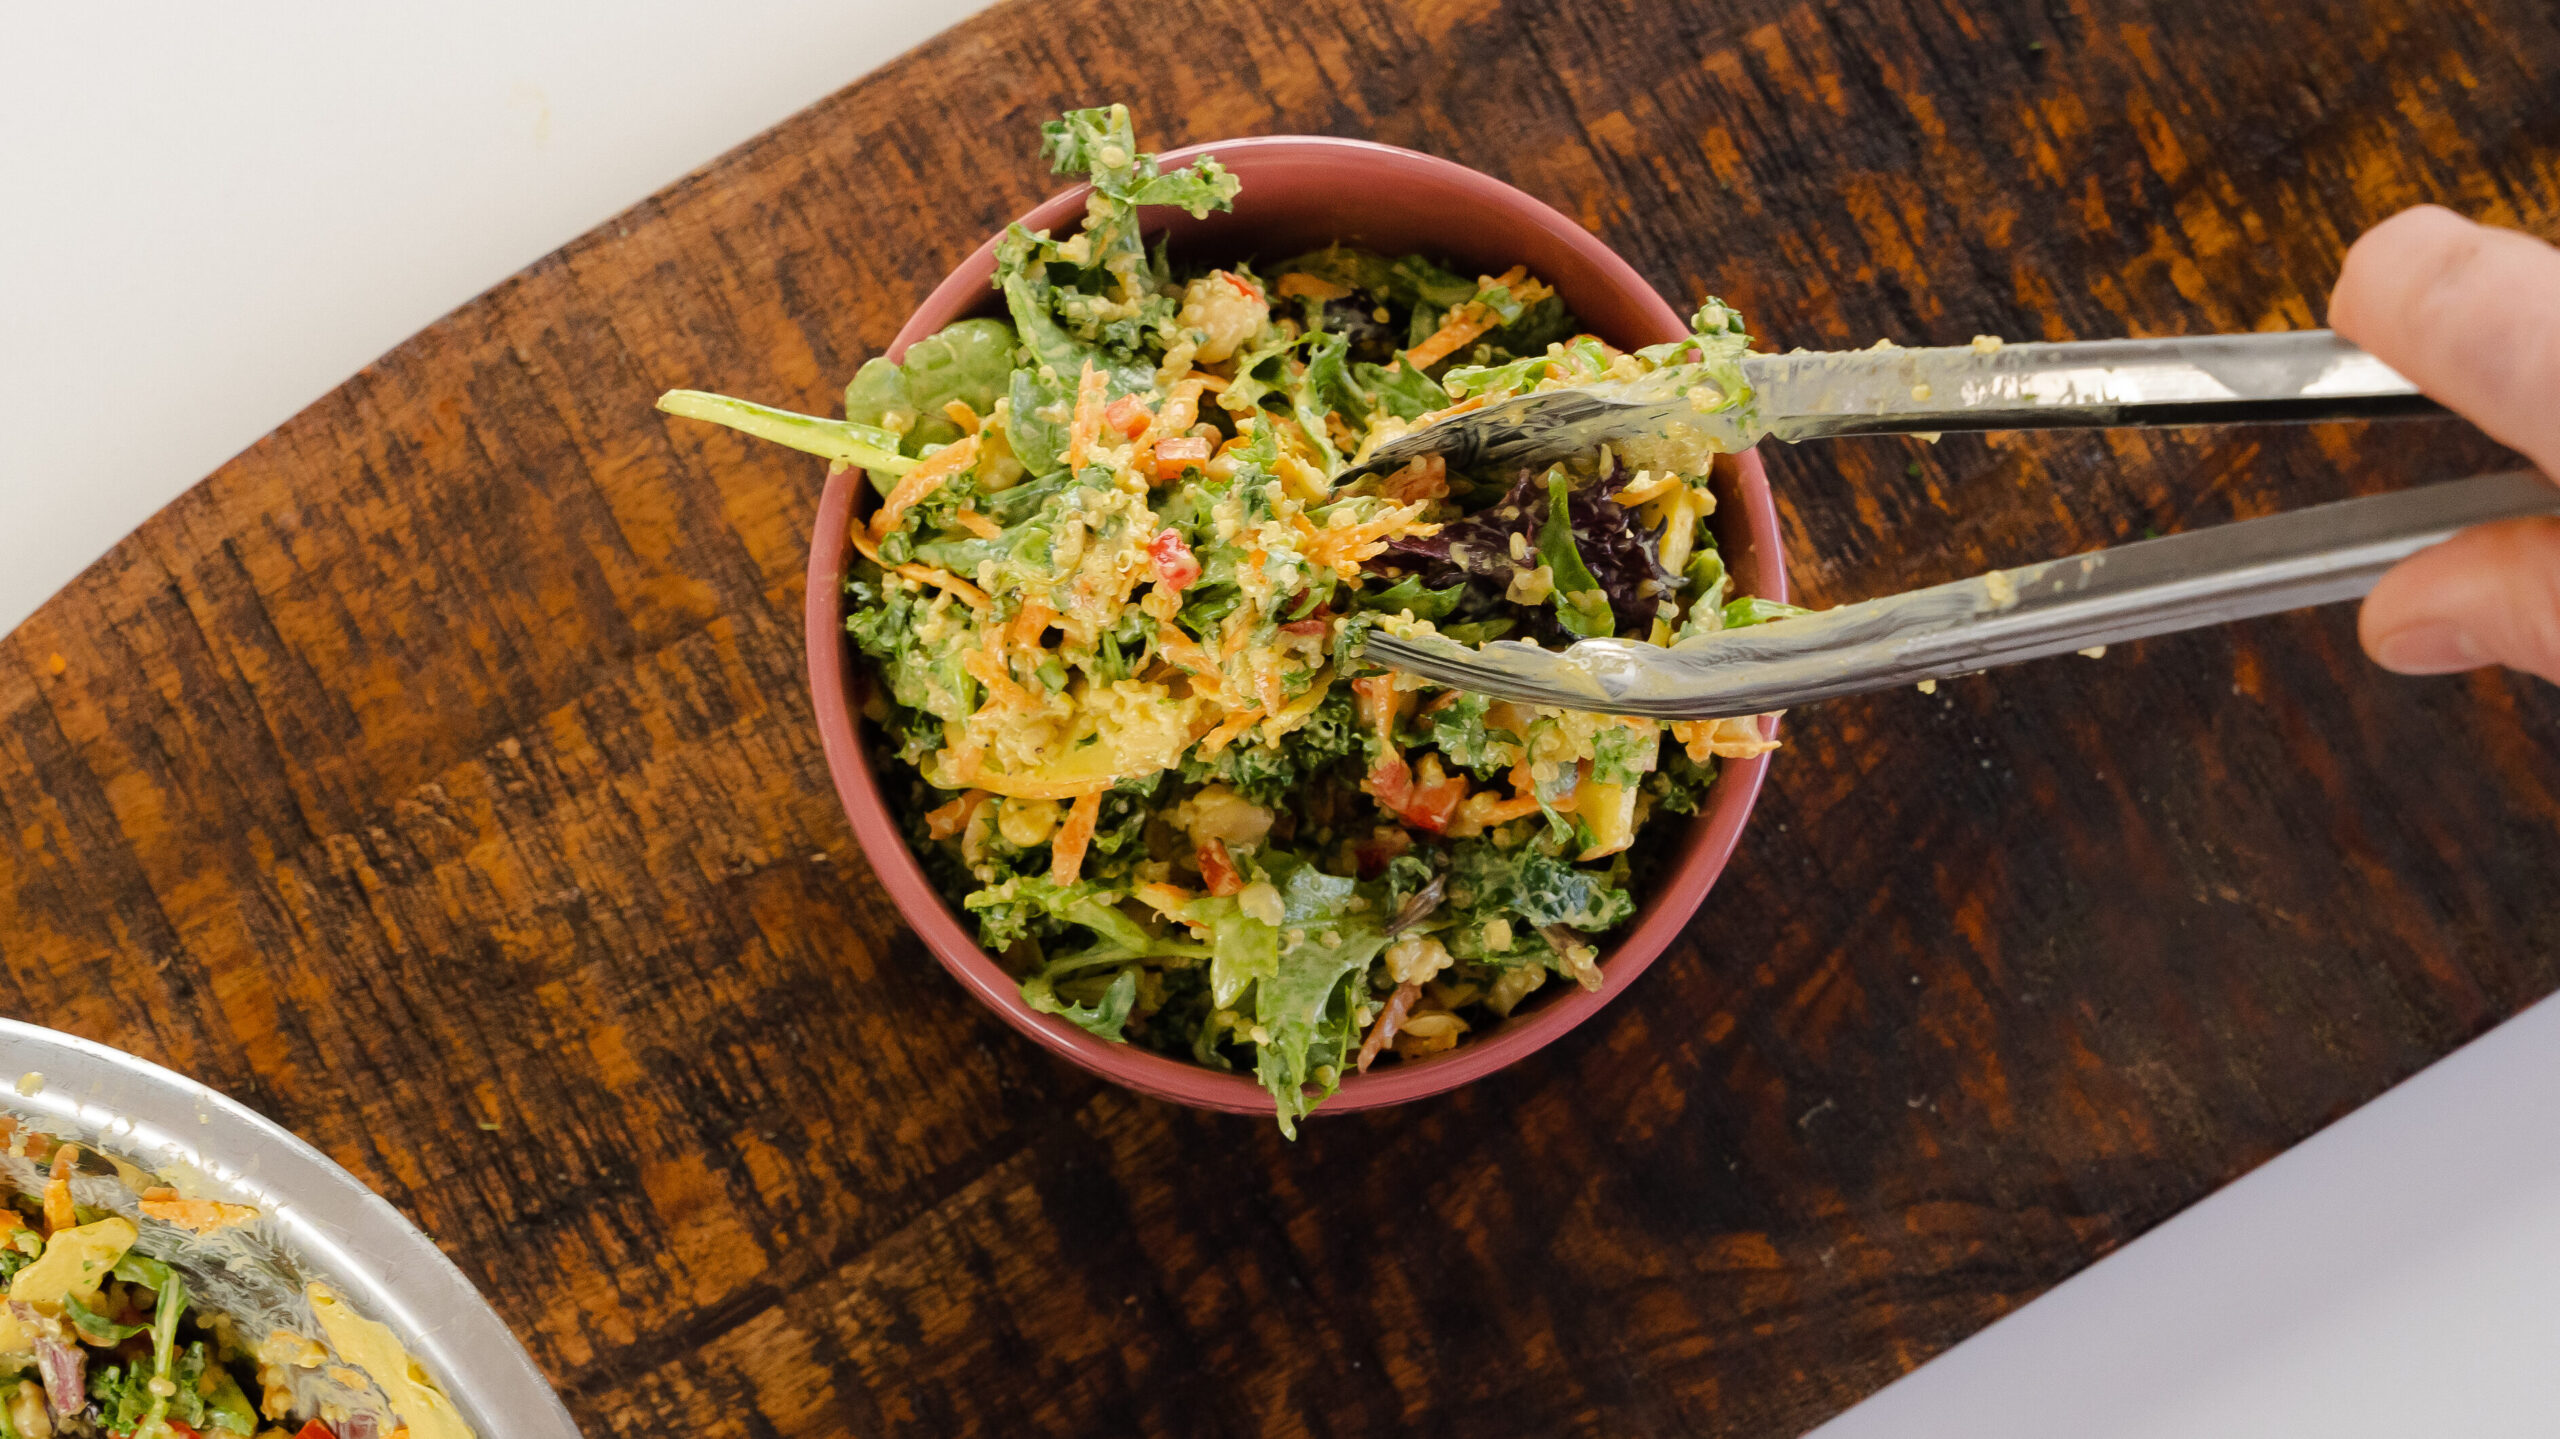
pixel 373 1348
pixel 76 1261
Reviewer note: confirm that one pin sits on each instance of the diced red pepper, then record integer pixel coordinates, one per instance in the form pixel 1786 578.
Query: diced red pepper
pixel 183 1432
pixel 1176 566
pixel 1434 803
pixel 1180 453
pixel 312 1430
pixel 1429 804
pixel 1243 286
pixel 1127 417
pixel 1311 625
pixel 1391 783
pixel 1218 869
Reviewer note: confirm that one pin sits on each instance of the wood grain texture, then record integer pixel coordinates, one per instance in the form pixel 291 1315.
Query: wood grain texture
pixel 438 776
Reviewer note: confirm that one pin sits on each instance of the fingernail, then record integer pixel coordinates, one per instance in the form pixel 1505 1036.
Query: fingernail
pixel 2440 648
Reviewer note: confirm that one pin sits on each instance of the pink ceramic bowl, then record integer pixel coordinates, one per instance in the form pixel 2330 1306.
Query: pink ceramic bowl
pixel 1301 192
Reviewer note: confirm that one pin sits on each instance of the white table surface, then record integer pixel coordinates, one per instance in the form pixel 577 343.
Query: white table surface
pixel 216 213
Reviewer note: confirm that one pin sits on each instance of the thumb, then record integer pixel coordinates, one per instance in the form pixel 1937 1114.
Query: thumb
pixel 2488 596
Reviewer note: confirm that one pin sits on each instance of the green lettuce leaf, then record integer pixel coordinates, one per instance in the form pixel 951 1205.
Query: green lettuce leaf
pixel 1753 610
pixel 1400 389
pixel 1243 951
pixel 1105 1018
pixel 1305 1012
pixel 1581 606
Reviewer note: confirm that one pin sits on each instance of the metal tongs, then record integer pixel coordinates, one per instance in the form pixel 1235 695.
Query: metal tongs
pixel 2308 557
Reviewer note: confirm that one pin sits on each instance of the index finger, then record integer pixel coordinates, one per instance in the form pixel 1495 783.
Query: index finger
pixel 2470 313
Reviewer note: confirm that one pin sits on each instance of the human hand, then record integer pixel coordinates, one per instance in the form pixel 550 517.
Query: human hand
pixel 2471 314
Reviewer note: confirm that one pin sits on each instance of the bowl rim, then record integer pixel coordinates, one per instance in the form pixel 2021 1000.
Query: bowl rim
pixel 1710 838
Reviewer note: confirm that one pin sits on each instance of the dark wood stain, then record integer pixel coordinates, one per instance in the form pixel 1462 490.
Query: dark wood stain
pixel 437 776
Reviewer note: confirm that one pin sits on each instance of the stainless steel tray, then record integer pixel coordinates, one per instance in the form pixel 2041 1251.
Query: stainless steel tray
pixel 140 1125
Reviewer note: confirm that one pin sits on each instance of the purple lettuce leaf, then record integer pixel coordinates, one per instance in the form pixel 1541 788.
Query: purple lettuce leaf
pixel 1478 549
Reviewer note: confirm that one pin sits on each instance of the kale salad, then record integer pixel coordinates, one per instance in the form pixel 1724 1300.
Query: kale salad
pixel 1114 597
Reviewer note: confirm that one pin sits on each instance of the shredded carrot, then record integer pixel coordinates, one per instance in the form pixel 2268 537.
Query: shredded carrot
pixel 1314 287
pixel 1066 849
pixel 1086 427
pixel 1027 627
pixel 59 1214
pixel 963 416
pixel 1165 899
pixel 989 670
pixel 1466 323
pixel 969 594
pixel 1424 479
pixel 923 480
pixel 200 1216
pixel 1472 320
pixel 1471 402
pixel 977 524
pixel 1519 806
pixel 1228 728
pixel 1180 648
pixel 952 818
pixel 869 549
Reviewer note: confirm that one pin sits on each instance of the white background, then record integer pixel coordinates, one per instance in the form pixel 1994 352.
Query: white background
pixel 212 214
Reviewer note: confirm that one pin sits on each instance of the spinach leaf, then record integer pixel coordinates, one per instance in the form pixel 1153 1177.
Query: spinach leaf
pixel 968 361
pixel 1038 409
pixel 1409 594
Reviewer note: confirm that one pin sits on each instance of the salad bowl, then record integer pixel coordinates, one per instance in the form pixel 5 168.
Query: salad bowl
pixel 1299 193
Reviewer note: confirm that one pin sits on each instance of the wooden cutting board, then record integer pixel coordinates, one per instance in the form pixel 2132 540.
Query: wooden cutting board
pixel 438 777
